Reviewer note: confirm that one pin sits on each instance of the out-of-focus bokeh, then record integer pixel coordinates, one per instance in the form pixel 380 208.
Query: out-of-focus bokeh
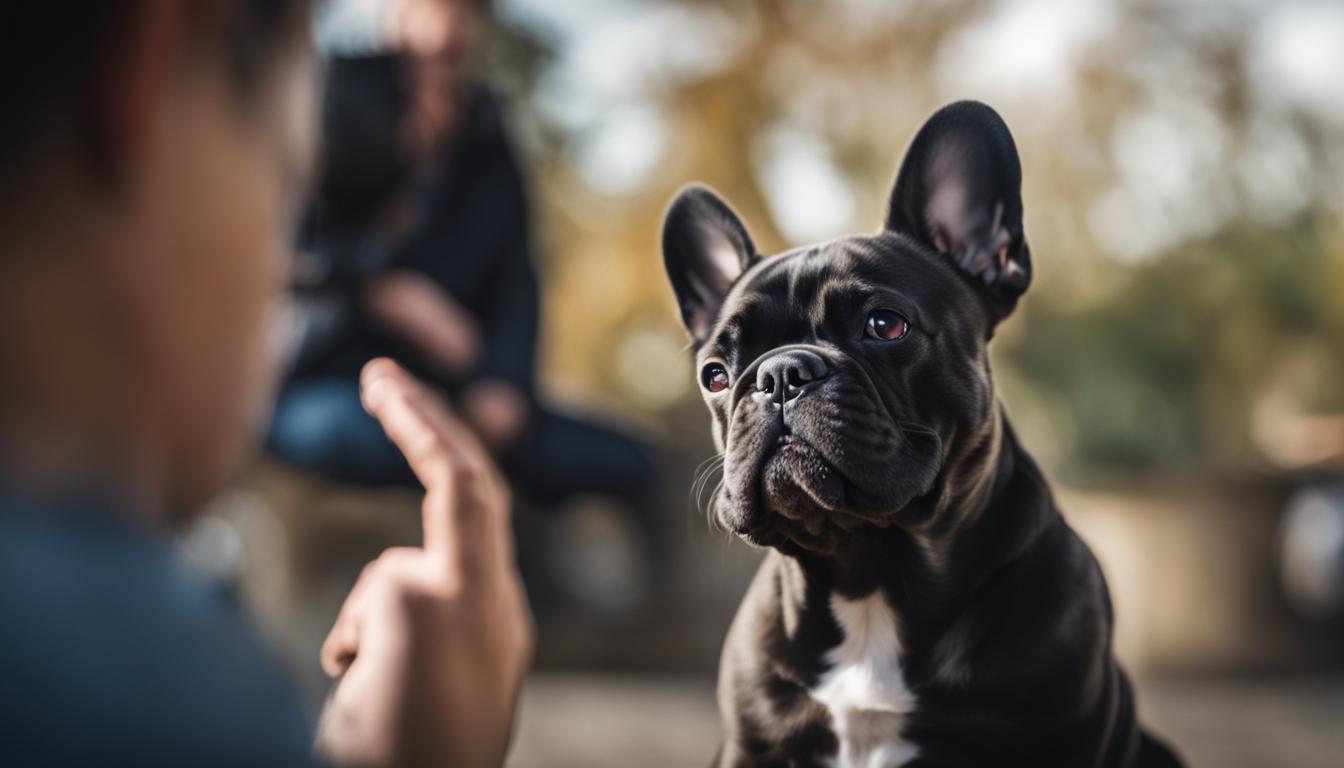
pixel 1177 367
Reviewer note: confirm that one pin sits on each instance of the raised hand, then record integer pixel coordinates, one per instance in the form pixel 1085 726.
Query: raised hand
pixel 432 643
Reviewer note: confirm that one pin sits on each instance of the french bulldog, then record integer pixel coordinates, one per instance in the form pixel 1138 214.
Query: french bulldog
pixel 922 601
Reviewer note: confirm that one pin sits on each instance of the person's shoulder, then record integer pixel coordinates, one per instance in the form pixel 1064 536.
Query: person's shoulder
pixel 111 654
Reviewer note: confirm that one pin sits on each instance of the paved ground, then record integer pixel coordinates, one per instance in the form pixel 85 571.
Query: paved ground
pixel 304 543
pixel 639 722
pixel 1251 724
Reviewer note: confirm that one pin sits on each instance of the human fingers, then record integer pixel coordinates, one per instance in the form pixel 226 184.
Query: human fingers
pixel 466 446
pixel 342 642
pixel 451 528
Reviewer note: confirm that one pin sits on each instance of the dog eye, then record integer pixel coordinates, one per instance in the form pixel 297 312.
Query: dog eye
pixel 714 377
pixel 885 325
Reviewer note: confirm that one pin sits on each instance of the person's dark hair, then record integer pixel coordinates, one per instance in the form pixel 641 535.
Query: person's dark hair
pixel 49 65
pixel 361 162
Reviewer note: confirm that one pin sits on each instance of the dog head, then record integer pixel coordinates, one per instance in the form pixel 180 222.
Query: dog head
pixel 842 376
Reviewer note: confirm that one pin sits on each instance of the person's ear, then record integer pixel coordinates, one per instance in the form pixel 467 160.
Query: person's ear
pixel 705 249
pixel 959 191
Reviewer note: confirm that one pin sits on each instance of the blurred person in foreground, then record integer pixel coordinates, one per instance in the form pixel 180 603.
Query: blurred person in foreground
pixel 417 245
pixel 151 151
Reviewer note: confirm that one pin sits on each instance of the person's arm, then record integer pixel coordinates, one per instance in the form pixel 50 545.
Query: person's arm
pixel 430 648
pixel 497 403
pixel 417 310
pixel 509 321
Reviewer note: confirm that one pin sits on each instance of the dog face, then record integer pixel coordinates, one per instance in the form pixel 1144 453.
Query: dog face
pixel 842 376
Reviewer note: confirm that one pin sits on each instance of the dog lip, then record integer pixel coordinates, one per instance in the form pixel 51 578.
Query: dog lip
pixel 757 533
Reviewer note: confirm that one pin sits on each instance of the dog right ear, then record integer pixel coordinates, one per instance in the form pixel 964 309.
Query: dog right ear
pixel 959 191
pixel 705 248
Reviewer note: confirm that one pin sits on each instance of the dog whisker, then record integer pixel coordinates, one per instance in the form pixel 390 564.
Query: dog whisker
pixel 703 474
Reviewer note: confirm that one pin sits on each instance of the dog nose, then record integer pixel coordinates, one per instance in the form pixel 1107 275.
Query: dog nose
pixel 784 375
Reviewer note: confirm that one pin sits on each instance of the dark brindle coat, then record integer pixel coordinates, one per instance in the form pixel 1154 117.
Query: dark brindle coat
pixel 923 602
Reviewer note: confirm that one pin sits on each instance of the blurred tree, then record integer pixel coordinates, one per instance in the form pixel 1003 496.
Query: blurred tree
pixel 1182 161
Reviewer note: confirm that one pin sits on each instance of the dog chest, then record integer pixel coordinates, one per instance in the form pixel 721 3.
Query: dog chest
pixel 864 689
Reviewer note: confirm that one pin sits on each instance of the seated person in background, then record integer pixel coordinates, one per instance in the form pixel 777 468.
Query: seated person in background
pixel 151 150
pixel 417 247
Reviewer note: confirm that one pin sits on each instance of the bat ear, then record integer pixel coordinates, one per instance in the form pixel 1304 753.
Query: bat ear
pixel 705 249
pixel 959 191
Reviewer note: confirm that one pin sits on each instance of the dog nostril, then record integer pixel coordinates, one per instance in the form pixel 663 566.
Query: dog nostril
pixel 784 376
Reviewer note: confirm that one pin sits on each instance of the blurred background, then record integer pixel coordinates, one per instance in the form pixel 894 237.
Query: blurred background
pixel 1177 367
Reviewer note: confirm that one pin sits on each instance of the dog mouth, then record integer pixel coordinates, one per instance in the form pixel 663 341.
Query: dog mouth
pixel 810 476
pixel 797 475
pixel 805 496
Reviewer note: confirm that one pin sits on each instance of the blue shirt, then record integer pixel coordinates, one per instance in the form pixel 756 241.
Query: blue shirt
pixel 111 654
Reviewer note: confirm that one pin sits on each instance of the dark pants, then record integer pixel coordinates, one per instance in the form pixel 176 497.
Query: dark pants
pixel 319 425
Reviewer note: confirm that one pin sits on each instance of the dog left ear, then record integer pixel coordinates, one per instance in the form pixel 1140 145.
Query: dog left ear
pixel 959 191
pixel 705 249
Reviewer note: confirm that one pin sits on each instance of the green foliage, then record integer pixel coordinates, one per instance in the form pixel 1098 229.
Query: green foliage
pixel 1167 369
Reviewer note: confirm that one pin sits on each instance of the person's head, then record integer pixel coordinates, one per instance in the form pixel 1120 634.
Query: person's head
pixel 438 39
pixel 151 151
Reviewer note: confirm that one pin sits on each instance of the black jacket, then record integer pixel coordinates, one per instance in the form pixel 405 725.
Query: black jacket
pixel 471 230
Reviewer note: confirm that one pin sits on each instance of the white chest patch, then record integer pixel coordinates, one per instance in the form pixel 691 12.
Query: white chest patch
pixel 864 689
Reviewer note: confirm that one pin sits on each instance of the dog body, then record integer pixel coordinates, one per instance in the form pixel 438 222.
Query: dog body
pixel 923 601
